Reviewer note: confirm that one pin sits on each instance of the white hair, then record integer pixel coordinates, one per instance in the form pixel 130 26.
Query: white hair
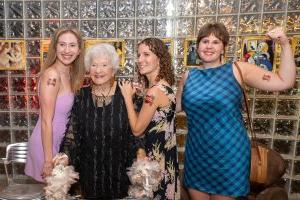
pixel 102 50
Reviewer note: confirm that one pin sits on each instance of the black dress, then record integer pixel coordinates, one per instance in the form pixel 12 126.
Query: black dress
pixel 160 145
pixel 100 145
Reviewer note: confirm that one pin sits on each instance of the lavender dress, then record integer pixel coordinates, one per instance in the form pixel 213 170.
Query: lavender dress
pixel 35 155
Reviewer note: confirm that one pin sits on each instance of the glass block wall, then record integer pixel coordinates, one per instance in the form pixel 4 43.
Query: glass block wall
pixel 275 115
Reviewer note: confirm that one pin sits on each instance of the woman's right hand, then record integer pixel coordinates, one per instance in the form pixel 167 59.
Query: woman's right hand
pixel 127 89
pixel 47 169
pixel 139 88
pixel 278 35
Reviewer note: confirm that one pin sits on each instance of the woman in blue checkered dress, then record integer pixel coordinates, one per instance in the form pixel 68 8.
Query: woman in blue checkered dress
pixel 217 153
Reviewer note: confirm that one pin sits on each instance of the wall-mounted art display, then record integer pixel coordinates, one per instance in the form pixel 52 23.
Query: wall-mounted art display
pixel 169 42
pixel 117 43
pixel 296 49
pixel 259 50
pixel 191 57
pixel 44 49
pixel 12 55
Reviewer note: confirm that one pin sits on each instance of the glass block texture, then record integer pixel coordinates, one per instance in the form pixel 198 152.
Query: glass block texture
pixel 275 114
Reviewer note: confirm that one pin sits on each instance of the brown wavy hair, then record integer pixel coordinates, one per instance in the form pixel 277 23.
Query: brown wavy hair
pixel 159 48
pixel 77 70
pixel 217 29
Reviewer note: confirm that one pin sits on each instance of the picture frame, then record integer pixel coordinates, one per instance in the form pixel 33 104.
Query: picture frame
pixel 169 42
pixel 261 51
pixel 295 40
pixel 44 48
pixel 190 54
pixel 119 45
pixel 12 55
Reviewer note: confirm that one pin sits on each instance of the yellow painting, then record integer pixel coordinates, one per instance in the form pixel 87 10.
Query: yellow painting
pixel 169 42
pixel 12 55
pixel 191 57
pixel 261 51
pixel 296 49
pixel 44 49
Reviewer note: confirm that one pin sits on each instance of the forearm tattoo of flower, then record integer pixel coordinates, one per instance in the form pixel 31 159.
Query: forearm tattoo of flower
pixel 51 82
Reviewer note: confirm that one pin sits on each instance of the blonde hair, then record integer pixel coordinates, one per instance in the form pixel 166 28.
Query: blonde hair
pixel 77 70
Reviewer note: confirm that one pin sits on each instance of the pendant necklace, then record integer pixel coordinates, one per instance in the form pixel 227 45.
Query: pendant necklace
pixel 100 98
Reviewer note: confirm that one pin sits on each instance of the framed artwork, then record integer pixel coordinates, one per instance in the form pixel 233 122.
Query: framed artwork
pixel 296 49
pixel 44 49
pixel 261 51
pixel 191 57
pixel 12 55
pixel 117 43
pixel 169 42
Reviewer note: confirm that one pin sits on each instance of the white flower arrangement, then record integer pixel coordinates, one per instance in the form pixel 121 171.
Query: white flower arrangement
pixel 61 179
pixel 145 176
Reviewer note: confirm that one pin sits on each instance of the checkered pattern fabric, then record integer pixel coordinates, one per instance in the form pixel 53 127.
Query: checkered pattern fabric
pixel 217 153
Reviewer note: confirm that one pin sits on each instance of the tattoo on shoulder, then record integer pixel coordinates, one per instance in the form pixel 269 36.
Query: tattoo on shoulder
pixel 149 99
pixel 51 81
pixel 266 77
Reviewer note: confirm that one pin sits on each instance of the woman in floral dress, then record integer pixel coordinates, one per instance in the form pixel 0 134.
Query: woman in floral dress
pixel 155 121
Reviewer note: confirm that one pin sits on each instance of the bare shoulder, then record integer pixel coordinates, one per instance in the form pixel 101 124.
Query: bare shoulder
pixel 152 91
pixel 157 91
pixel 51 72
pixel 50 76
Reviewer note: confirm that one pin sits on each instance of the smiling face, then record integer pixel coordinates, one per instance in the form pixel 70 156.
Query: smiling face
pixel 67 48
pixel 148 62
pixel 101 71
pixel 210 49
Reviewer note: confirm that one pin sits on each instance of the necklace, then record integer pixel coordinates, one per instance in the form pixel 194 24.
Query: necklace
pixel 99 97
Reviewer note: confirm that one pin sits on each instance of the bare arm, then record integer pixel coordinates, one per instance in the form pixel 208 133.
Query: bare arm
pixel 257 77
pixel 140 121
pixel 69 145
pixel 180 90
pixel 49 87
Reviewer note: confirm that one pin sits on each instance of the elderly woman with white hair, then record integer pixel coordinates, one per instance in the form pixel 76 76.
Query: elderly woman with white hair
pixel 98 141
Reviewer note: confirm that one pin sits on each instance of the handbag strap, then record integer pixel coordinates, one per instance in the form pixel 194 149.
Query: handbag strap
pixel 250 124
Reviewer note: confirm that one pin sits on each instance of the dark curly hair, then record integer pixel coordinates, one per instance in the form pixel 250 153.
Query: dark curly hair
pixel 159 48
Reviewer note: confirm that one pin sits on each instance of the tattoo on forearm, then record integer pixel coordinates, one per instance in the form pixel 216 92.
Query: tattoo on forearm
pixel 149 99
pixel 266 77
pixel 51 81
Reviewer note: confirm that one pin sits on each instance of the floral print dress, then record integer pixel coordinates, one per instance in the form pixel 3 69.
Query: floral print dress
pixel 160 145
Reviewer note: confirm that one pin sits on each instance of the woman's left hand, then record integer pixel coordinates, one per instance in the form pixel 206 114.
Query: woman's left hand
pixel 127 89
pixel 278 35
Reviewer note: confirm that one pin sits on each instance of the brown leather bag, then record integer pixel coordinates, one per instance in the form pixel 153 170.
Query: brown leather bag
pixel 267 165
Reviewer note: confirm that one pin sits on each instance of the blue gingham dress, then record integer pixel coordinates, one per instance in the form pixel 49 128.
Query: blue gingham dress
pixel 217 152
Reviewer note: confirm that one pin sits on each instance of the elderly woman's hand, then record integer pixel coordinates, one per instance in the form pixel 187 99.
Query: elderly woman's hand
pixel 278 35
pixel 127 89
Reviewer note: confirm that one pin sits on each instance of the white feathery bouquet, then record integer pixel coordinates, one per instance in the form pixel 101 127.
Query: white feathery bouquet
pixel 145 176
pixel 61 179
